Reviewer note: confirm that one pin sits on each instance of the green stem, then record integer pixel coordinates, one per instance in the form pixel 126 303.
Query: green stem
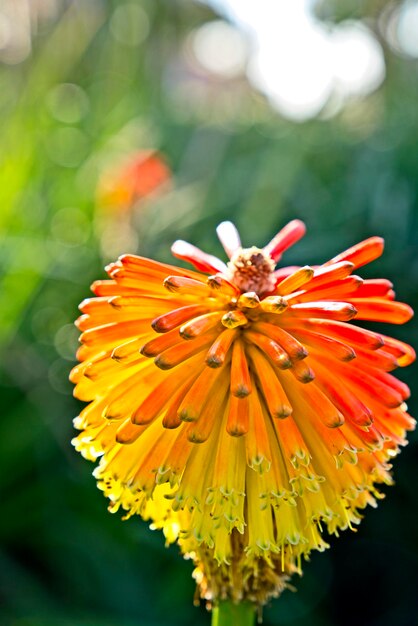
pixel 226 613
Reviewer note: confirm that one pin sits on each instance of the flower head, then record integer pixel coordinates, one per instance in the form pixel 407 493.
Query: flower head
pixel 243 412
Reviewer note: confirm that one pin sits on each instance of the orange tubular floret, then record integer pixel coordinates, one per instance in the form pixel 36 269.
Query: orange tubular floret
pixel 284 272
pixel 114 332
pixel 219 349
pixel 302 372
pixel 108 288
pixel 257 441
pixel 344 332
pixel 403 419
pixel 274 395
pixel 90 353
pixel 289 344
pixel 233 319
pixel 155 456
pixel 184 350
pixel 271 348
pixel 378 358
pixel 113 267
pixel 291 440
pixel 392 424
pixel 87 322
pixel 219 283
pixel 296 280
pixel 160 343
pixel 193 403
pixel 289 235
pixel 98 368
pixel 390 381
pixel 248 300
pixel 168 321
pixel 362 253
pixel 143 306
pixel 337 290
pixel 330 273
pixel 128 433
pixel 326 345
pixel 155 270
pixel 341 396
pixel 355 438
pixel 223 286
pixel 378 310
pixel 110 315
pixel 403 352
pixel 138 303
pixel 200 325
pixel 273 304
pixel 130 284
pixel 127 277
pixel 171 418
pixel 77 372
pixel 199 430
pixel 155 402
pixel 319 405
pixel 376 288
pixel 240 375
pixel 92 305
pixel 371 439
pixel 186 286
pixel 238 416
pixel 369 384
pixel 119 401
pixel 341 311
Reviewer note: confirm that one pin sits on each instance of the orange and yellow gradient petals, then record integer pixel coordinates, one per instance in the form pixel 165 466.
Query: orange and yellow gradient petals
pixel 244 413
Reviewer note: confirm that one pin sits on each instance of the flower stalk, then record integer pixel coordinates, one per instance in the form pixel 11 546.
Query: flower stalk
pixel 228 613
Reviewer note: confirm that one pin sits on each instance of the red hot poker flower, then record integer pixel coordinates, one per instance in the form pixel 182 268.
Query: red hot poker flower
pixel 242 412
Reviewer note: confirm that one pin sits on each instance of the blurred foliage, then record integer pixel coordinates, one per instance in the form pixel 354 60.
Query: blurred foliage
pixel 102 80
pixel 337 10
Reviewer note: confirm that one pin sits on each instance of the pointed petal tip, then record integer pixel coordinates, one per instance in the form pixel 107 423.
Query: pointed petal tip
pixel 202 261
pixel 285 238
pixel 229 237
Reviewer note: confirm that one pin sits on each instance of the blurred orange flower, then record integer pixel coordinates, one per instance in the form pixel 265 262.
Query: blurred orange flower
pixel 143 173
pixel 243 413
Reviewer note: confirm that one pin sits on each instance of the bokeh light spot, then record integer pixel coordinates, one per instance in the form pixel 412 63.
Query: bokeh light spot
pixel 407 30
pixel 70 226
pixel 5 31
pixel 220 48
pixel 58 377
pixel 129 24
pixel 46 322
pixel 66 341
pixel 299 63
pixel 359 65
pixel 68 103
pixel 15 32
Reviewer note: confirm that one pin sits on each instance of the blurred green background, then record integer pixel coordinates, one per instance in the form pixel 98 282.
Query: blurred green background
pixel 83 86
